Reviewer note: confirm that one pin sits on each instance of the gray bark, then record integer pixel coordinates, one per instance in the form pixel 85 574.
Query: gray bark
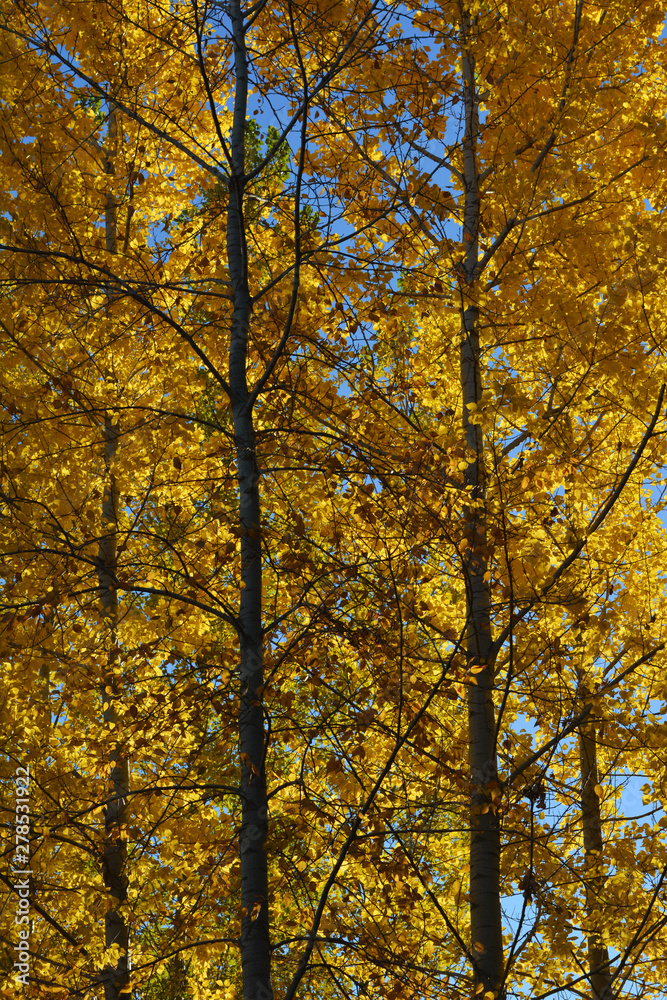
pixel 599 969
pixel 485 910
pixel 255 933
pixel 114 860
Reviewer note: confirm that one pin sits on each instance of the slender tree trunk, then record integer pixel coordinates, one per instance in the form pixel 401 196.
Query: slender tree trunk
pixel 485 911
pixel 116 976
pixel 599 969
pixel 178 979
pixel 255 933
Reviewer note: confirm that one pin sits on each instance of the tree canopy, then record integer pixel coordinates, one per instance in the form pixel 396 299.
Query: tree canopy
pixel 332 477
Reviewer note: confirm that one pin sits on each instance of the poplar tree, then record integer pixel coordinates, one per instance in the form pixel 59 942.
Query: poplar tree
pixel 332 479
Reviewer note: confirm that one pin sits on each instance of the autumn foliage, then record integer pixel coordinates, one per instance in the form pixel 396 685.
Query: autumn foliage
pixel 332 480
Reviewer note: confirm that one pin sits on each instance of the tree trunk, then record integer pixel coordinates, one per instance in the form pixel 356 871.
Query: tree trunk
pixel 116 975
pixel 255 939
pixel 599 969
pixel 178 979
pixel 485 911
